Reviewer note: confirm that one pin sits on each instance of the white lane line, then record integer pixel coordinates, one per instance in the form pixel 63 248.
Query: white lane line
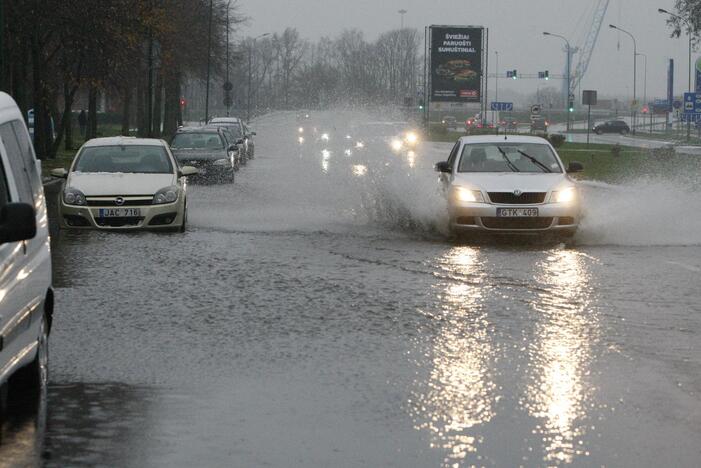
pixel 685 266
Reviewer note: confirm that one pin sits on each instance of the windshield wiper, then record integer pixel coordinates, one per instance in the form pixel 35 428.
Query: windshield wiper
pixel 508 161
pixel 535 161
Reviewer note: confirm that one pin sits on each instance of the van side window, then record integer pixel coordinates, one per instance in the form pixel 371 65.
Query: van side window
pixel 17 165
pixel 25 146
pixel 4 189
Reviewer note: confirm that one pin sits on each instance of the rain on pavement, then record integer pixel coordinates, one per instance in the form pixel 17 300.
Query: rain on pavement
pixel 316 314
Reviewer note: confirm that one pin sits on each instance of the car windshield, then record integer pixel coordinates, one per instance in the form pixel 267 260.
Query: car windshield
pixel 197 140
pixel 508 157
pixel 142 159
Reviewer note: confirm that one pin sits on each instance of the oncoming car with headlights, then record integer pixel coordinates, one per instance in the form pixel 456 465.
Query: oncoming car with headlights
pixel 510 184
pixel 124 183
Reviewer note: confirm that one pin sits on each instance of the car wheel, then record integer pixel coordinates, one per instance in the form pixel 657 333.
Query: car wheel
pixel 598 132
pixel 183 227
pixel 624 132
pixel 35 376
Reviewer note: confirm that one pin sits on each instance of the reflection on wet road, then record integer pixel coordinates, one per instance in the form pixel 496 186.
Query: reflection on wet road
pixel 315 314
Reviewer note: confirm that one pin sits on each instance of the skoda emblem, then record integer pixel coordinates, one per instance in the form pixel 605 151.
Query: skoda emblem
pixel 517 192
pixel 119 201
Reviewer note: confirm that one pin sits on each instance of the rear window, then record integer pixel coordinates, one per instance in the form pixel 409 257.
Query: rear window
pixel 138 159
pixel 193 140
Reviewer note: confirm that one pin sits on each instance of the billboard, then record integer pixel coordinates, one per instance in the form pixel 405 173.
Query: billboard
pixel 456 63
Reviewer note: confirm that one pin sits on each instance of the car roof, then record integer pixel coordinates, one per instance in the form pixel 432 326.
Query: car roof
pixel 225 120
pixel 503 138
pixel 124 141
pixel 206 129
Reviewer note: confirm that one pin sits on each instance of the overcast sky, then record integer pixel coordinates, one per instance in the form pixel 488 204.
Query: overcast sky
pixel 515 30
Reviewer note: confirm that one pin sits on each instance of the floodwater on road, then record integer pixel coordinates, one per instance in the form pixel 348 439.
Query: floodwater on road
pixel 317 314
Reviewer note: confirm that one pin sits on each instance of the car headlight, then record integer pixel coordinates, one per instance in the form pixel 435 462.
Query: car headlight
pixel 396 144
pixel 325 136
pixel 412 138
pixel 359 144
pixel 300 140
pixel 466 195
pixel 222 162
pixel 565 196
pixel 73 196
pixel 301 129
pixel 166 195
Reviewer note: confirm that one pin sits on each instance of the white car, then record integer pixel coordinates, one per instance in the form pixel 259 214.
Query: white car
pixel 510 184
pixel 26 296
pixel 124 183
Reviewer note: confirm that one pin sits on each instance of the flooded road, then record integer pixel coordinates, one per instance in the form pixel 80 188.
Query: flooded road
pixel 316 314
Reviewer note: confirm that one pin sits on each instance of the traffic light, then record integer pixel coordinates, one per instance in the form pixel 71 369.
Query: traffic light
pixel 571 106
pixel 512 74
pixel 182 102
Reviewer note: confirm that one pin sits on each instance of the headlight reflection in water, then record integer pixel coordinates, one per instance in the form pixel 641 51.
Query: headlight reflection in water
pixel 460 392
pixel 560 357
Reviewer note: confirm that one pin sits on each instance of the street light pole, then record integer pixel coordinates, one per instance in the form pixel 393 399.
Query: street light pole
pixel 228 106
pixel 569 74
pixel 688 26
pixel 209 61
pixel 402 12
pixel 250 74
pixel 496 77
pixel 635 72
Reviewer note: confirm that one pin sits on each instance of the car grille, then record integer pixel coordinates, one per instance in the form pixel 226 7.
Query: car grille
pixel 111 201
pixel 119 222
pixel 509 198
pixel 197 163
pixel 516 223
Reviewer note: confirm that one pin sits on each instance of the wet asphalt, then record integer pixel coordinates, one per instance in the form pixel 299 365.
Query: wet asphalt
pixel 316 314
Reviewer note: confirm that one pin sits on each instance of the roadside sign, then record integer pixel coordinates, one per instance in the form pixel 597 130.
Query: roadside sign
pixel 677 104
pixel 535 109
pixel 589 97
pixel 692 103
pixel 502 106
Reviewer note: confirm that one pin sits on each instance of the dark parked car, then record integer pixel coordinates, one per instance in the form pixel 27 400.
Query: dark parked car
pixel 206 149
pixel 246 133
pixel 234 137
pixel 612 126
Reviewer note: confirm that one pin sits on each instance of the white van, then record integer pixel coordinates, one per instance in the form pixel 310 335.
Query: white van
pixel 26 297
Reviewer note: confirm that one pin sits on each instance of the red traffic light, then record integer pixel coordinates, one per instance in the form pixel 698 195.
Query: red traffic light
pixel 646 109
pixel 182 102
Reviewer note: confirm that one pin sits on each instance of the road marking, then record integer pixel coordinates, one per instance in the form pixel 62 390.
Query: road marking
pixel 685 266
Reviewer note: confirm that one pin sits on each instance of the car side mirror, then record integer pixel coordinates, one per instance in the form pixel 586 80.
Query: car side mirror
pixel 444 167
pixel 188 171
pixel 253 133
pixel 17 222
pixel 61 173
pixel 240 141
pixel 232 148
pixel 575 166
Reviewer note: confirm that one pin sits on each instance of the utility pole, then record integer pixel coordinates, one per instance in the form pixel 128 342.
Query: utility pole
pixel 250 74
pixel 402 12
pixel 635 74
pixel 209 62
pixel 688 26
pixel 569 75
pixel 227 92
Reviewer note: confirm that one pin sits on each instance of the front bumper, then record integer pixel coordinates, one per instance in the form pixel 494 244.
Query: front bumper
pixel 152 217
pixel 556 218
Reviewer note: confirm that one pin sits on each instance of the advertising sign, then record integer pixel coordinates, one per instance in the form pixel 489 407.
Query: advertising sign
pixel 456 63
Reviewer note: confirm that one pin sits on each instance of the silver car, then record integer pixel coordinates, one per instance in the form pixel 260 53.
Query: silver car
pixel 510 184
